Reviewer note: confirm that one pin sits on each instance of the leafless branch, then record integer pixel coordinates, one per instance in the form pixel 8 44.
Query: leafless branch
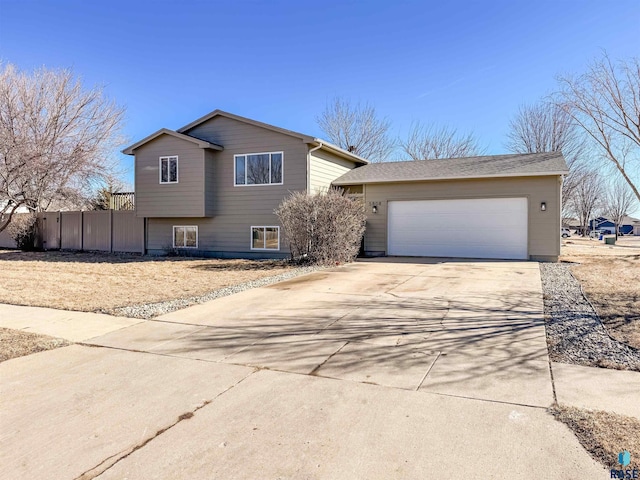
pixel 357 128
pixel 588 197
pixel 431 142
pixel 605 103
pixel 618 202
pixel 548 127
pixel 56 138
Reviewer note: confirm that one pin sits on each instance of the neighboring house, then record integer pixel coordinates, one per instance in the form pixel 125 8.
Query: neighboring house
pixel 504 206
pixel 571 223
pixel 213 185
pixel 628 225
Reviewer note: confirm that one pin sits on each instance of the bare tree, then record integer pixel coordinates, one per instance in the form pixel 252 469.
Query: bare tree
pixel 357 129
pixel 548 127
pixel 587 198
pixel 618 202
pixel 431 142
pixel 605 102
pixel 56 139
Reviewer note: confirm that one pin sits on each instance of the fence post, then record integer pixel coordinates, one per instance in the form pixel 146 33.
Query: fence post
pixel 59 230
pixel 81 230
pixel 110 230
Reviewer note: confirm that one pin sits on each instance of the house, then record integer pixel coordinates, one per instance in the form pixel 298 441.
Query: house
pixel 571 223
pixel 212 187
pixel 628 225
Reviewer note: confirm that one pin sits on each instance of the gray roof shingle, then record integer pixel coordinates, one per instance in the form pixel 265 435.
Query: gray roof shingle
pixel 530 164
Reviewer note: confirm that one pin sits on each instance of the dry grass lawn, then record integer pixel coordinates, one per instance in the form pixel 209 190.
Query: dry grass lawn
pixel 101 282
pixel 603 434
pixel 16 343
pixel 610 277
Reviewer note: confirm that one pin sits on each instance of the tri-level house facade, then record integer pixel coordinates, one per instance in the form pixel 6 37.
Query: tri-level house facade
pixel 212 186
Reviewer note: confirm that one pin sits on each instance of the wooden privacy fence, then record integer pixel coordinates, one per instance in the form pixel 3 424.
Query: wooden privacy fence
pixel 100 230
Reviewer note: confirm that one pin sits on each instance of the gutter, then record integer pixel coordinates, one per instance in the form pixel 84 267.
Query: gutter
pixel 436 179
pixel 309 165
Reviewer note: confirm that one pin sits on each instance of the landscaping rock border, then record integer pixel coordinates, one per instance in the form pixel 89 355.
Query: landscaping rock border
pixel 575 333
pixel 150 310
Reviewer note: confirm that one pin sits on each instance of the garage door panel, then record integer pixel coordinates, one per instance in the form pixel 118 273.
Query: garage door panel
pixel 478 228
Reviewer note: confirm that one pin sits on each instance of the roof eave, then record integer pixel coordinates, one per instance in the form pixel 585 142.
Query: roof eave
pixel 435 179
pixel 340 151
pixel 130 150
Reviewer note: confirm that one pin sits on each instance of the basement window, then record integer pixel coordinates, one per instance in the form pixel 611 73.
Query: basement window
pixel 185 236
pixel 265 238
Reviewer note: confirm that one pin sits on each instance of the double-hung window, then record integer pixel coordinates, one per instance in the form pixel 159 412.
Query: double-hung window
pixel 185 236
pixel 169 169
pixel 259 168
pixel 265 238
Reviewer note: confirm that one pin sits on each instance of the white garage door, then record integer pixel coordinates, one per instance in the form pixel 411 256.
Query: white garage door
pixel 469 228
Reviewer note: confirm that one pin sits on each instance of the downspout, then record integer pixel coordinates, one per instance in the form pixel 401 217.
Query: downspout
pixel 309 165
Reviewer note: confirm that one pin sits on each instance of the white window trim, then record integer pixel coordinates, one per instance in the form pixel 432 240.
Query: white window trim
pixel 168 157
pixel 173 240
pixel 264 249
pixel 245 155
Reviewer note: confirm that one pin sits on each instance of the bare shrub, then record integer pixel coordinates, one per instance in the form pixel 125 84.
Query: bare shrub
pixel 23 230
pixel 323 229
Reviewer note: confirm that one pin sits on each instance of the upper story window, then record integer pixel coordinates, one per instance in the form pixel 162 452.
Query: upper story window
pixel 259 168
pixel 169 169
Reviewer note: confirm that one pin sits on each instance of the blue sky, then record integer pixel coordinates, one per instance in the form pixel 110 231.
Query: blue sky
pixel 468 65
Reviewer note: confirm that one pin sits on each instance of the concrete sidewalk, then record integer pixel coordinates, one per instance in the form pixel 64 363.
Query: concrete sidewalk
pixel 96 412
pixel 72 326
pixel 616 391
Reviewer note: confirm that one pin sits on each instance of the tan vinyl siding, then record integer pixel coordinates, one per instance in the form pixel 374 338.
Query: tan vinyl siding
pixel 222 234
pixel 234 209
pixel 544 227
pixel 240 138
pixel 209 183
pixel 183 199
pixel 325 168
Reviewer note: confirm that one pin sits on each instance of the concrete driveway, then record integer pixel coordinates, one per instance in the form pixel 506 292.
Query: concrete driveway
pixel 380 369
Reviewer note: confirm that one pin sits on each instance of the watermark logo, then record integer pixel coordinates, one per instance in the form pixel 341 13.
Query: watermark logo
pixel 624 459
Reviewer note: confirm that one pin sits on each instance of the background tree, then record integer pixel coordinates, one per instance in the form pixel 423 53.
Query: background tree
pixel 101 199
pixel 56 139
pixel 431 142
pixel 587 198
pixel 548 127
pixel 605 102
pixel 618 202
pixel 357 129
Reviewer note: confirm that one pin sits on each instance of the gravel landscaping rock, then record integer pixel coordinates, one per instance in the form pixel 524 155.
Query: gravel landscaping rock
pixel 575 333
pixel 150 310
